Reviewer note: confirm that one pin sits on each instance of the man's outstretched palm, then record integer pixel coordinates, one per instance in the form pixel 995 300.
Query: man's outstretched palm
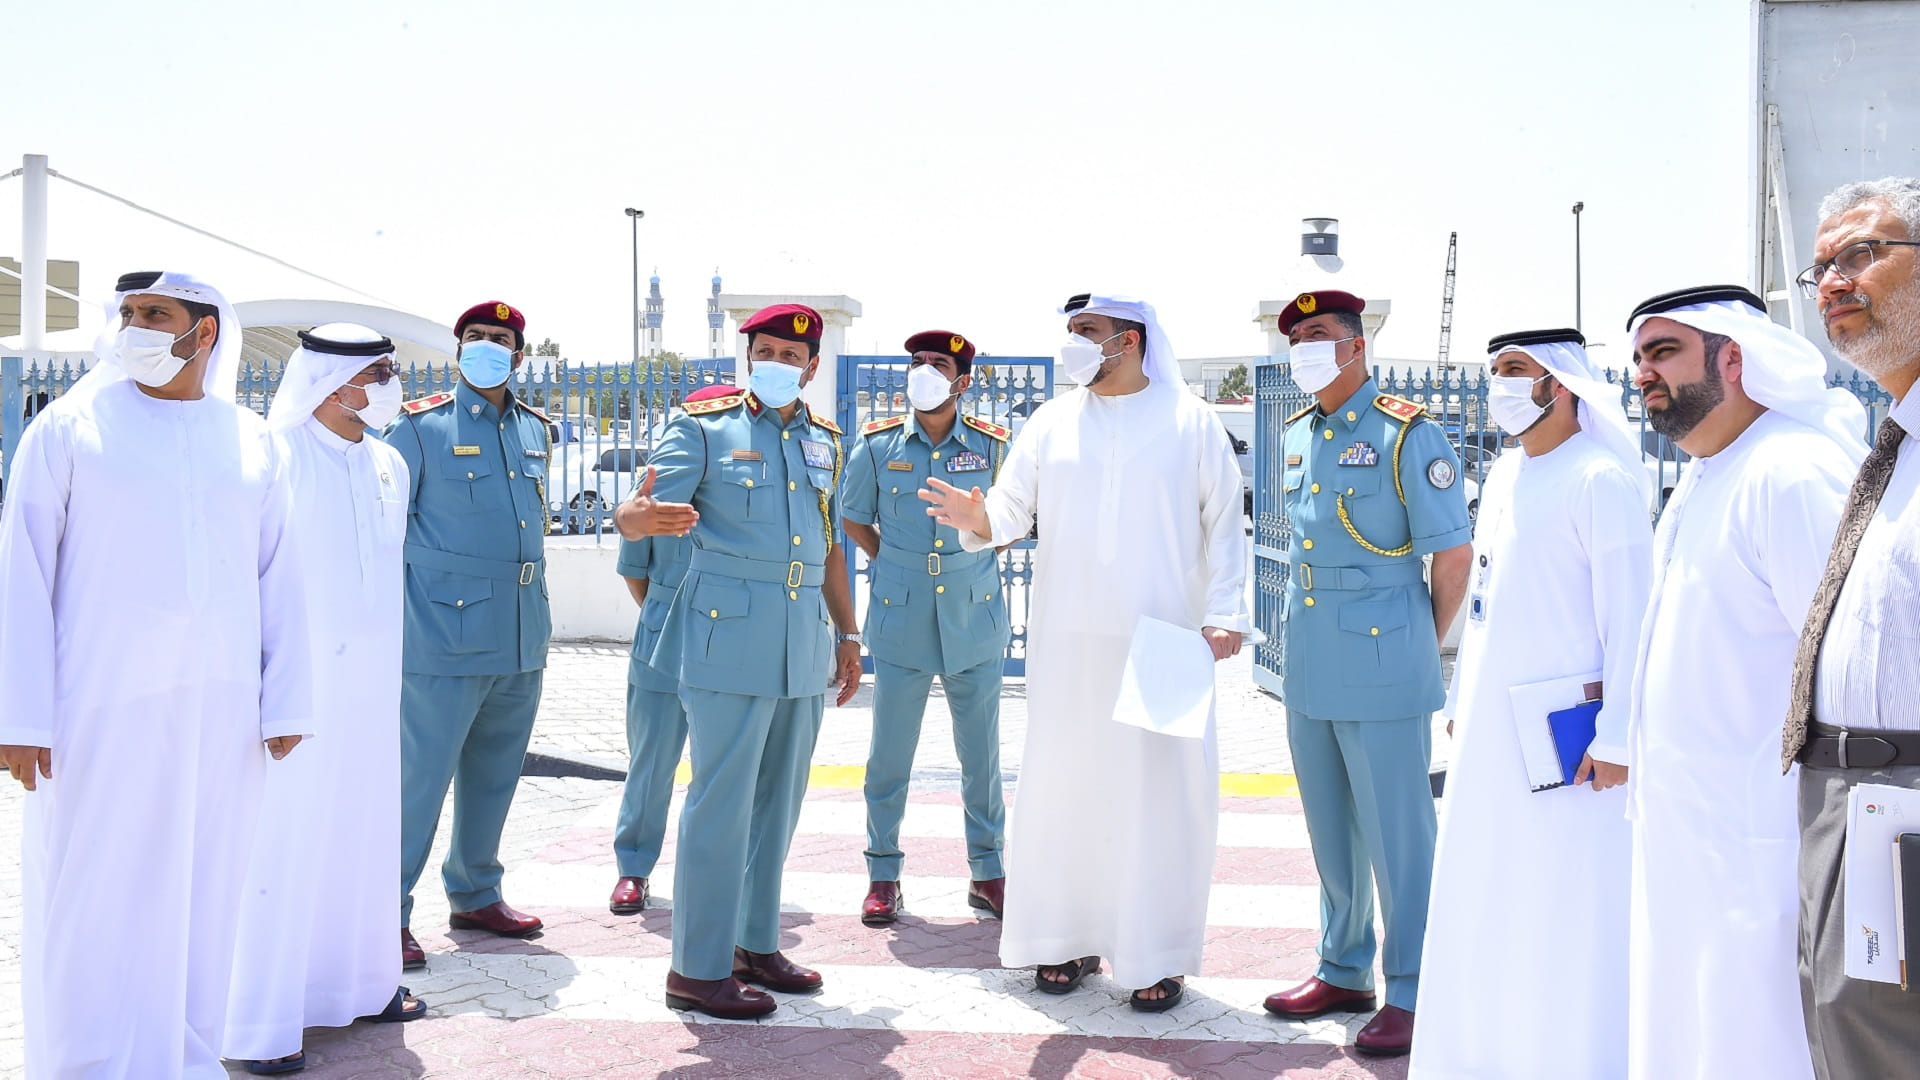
pixel 962 510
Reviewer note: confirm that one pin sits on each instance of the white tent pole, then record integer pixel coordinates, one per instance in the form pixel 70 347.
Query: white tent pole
pixel 33 253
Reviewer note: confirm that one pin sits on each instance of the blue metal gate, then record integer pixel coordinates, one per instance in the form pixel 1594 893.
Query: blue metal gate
pixel 1005 391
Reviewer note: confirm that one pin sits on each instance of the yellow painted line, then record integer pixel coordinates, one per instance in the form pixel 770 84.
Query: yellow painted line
pixel 852 777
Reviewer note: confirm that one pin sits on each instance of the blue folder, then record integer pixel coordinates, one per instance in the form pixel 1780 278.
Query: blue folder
pixel 1573 731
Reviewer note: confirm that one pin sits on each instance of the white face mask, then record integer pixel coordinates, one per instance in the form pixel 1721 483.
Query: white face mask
pixel 383 404
pixel 1510 400
pixel 1315 364
pixel 147 355
pixel 1081 358
pixel 927 389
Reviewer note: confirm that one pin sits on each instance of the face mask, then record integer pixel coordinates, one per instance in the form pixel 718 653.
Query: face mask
pixel 774 383
pixel 485 364
pixel 1510 400
pixel 1315 364
pixel 927 389
pixel 383 404
pixel 1081 358
pixel 147 355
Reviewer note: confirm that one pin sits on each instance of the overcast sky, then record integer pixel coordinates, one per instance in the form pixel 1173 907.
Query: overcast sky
pixel 963 165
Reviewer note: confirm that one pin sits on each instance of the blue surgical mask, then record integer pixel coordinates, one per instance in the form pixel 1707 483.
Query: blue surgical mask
pixel 774 383
pixel 485 364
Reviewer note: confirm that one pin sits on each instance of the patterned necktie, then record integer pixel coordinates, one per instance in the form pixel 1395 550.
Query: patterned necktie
pixel 1875 472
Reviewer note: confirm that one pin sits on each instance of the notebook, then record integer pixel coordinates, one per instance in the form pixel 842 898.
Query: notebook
pixel 1554 720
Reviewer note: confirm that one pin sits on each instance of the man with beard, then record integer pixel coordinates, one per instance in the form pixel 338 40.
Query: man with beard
pixel 1736 559
pixel 1853 718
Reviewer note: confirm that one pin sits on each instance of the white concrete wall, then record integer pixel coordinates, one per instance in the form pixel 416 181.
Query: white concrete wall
pixel 590 602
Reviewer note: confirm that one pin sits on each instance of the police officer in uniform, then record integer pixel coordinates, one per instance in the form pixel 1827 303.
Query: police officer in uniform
pixel 653 567
pixel 1372 484
pixel 752 635
pixel 932 609
pixel 477 623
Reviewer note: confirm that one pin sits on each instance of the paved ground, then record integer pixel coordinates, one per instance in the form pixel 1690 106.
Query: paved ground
pixel 926 998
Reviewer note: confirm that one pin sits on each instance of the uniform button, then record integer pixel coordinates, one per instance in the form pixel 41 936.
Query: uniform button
pixel 1309 601
pixel 939 588
pixel 523 524
pixel 1308 544
pixel 1349 491
pixel 749 483
pixel 796 541
pixel 896 491
pixel 789 485
pixel 469 476
pixel 886 601
pixel 791 595
pixel 786 434
pixel 1352 416
pixel 989 596
pixel 503 427
pixel 1315 489
pixel 1375 631
pixel 936 455
pixel 714 614
pixel 459 603
pixel 1327 434
pixel 939 543
pixel 509 474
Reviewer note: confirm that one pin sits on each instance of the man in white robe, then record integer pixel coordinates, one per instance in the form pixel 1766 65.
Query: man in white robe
pixel 1534 985
pixel 1714 985
pixel 315 944
pixel 152 635
pixel 1134 482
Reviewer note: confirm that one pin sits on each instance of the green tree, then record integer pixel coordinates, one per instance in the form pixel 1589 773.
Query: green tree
pixel 1235 385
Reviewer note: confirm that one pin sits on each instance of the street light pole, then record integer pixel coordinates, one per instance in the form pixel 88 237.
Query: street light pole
pixel 635 216
pixel 1577 207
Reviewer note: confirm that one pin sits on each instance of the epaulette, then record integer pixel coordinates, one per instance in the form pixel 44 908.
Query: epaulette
pixel 714 405
pixel 1399 408
pixel 875 427
pixel 431 401
pixel 531 409
pixel 992 431
pixel 1304 411
pixel 822 421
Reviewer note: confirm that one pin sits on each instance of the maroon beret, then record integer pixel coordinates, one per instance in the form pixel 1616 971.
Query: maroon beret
pixel 793 322
pixel 1324 302
pixel 713 391
pixel 494 313
pixel 944 342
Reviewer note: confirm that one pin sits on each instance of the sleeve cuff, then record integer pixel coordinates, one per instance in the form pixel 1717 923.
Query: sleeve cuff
pixel 18 735
pixel 299 725
pixel 1611 753
pixel 1446 541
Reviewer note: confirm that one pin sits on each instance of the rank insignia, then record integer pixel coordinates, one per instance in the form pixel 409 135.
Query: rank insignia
pixel 800 324
pixel 502 311
pixel 818 455
pixel 967 461
pixel 1360 454
pixel 1307 303
pixel 1441 473
pixel 958 344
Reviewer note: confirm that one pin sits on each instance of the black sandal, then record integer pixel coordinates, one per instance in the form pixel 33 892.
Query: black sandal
pixel 397 1011
pixel 290 1064
pixel 1075 970
pixel 1174 987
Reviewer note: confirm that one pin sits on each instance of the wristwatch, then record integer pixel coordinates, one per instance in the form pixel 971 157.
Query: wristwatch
pixel 857 639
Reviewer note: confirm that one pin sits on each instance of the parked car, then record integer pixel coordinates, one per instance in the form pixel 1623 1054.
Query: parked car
pixel 583 489
pixel 1238 420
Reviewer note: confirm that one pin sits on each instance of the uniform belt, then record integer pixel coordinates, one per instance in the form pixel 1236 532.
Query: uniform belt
pixel 793 574
pixel 426 558
pixel 934 563
pixel 1831 747
pixel 1314 578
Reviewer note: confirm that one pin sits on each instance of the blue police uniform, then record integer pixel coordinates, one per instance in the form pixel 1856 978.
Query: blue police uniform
pixel 656 722
pixel 477 626
pixel 933 609
pixel 1370 488
pixel 752 642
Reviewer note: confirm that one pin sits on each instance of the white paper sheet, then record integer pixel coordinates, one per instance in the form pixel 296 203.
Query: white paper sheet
pixel 1531 704
pixel 1167 686
pixel 1876 813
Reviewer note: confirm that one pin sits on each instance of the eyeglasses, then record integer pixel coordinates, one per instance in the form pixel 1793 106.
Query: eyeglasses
pixel 1849 262
pixel 381 374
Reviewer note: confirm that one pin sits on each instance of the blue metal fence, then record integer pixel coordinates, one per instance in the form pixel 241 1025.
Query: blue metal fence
pixel 1459 403
pixel 1005 391
pixel 603 419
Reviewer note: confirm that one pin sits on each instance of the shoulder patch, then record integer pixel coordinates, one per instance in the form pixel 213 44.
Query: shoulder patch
pixel 821 421
pixel 992 431
pixel 431 401
pixel 875 427
pixel 1399 408
pixel 714 405
pixel 531 409
pixel 1302 413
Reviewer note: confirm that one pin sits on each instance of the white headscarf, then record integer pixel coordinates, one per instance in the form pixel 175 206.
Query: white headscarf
pixel 1158 359
pixel 222 377
pixel 328 356
pixel 1601 414
pixel 1780 369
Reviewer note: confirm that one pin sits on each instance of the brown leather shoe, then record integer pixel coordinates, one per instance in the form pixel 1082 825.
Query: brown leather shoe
pixel 496 918
pixel 629 896
pixel 774 971
pixel 882 905
pixel 411 954
pixel 1317 998
pixel 988 895
pixel 724 998
pixel 1388 1034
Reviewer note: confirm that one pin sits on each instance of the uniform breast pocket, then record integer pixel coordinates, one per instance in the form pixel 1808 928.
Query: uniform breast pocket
pixel 717 617
pixel 1357 483
pixel 1294 478
pixel 459 609
pixel 468 485
pixel 1373 643
pixel 744 490
pixel 390 520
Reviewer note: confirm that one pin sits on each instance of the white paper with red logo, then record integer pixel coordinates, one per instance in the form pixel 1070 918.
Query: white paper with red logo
pixel 1876 813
